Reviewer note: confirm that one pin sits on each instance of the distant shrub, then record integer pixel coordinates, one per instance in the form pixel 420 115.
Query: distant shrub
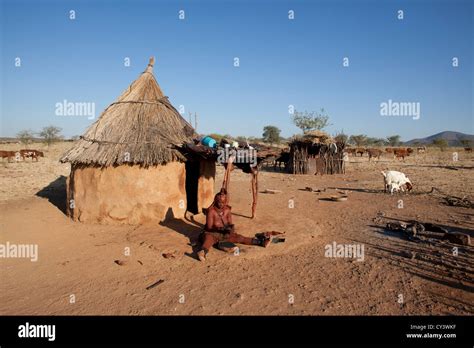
pixel 51 134
pixel 25 137
pixel 441 143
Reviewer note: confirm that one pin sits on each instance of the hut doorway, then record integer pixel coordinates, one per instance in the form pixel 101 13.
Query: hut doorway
pixel 192 179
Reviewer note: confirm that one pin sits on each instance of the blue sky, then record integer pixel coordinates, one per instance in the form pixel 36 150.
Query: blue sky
pixel 282 62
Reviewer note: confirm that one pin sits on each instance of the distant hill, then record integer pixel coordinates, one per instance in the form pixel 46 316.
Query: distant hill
pixel 453 138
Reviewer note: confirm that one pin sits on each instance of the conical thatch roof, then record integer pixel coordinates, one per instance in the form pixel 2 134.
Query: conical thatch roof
pixel 141 127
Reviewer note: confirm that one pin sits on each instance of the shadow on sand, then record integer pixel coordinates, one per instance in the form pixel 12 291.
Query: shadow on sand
pixel 439 166
pixel 242 215
pixel 55 193
pixel 188 227
pixel 356 189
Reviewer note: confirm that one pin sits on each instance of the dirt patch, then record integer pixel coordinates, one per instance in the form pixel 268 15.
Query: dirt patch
pixel 396 276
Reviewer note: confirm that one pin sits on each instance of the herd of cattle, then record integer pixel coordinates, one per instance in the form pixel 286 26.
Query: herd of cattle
pixel 23 154
pixel 397 152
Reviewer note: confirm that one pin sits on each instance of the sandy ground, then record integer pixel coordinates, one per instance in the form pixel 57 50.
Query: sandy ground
pixel 76 272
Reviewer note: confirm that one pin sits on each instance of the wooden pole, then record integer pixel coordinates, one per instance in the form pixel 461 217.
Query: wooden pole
pixel 195 122
pixel 229 166
pixel 254 191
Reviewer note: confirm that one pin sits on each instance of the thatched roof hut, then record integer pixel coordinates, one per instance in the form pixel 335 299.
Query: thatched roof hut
pixel 315 136
pixel 141 123
pixel 316 152
pixel 127 166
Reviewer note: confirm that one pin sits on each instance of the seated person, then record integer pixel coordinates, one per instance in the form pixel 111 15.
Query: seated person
pixel 219 227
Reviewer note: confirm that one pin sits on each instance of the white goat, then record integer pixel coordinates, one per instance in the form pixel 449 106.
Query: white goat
pixel 394 187
pixel 394 181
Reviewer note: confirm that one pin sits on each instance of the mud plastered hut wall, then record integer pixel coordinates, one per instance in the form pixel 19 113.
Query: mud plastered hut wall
pixel 316 153
pixel 127 169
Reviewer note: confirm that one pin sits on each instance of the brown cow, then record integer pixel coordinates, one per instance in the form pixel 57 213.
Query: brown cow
pixel 34 154
pixel 389 150
pixel 360 150
pixel 8 155
pixel 350 150
pixel 402 153
pixel 374 153
pixel 468 149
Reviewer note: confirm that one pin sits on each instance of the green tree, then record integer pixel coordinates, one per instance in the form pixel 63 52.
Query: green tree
pixel 253 139
pixel 307 121
pixel 394 140
pixel 50 134
pixel 466 142
pixel 370 141
pixel 25 137
pixel 358 140
pixel 271 134
pixel 380 142
pixel 441 143
pixel 241 139
pixel 375 141
pixel 341 137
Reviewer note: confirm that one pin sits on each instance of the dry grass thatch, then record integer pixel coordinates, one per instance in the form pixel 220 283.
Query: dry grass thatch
pixel 312 137
pixel 141 127
pixel 316 134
